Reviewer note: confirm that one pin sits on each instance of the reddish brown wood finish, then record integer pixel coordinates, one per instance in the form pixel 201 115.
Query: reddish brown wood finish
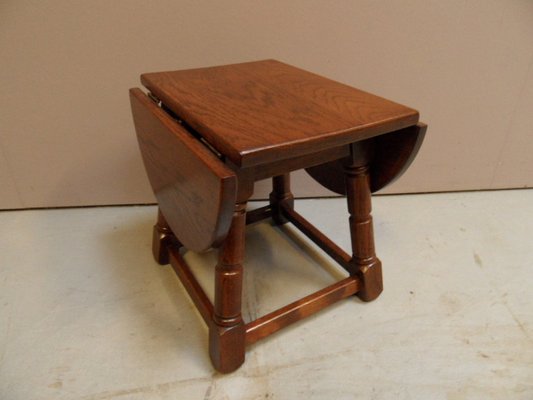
pixel 190 283
pixel 393 154
pixel 247 122
pixel 309 305
pixel 281 196
pixel 361 229
pixel 265 111
pixel 258 214
pixel 321 240
pixel 194 189
pixel 226 333
pixel 161 239
pixel 272 169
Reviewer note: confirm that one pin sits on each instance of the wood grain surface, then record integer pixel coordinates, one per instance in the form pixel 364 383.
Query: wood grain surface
pixel 264 119
pixel 265 111
pixel 303 308
pixel 195 190
pixel 393 153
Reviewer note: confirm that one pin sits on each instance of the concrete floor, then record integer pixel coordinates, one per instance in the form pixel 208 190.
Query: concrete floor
pixel 85 313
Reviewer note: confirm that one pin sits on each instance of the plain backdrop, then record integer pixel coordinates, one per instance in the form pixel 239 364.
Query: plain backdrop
pixel 66 133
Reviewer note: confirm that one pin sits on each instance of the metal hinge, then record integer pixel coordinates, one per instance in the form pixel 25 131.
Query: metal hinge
pixel 154 99
pixel 185 125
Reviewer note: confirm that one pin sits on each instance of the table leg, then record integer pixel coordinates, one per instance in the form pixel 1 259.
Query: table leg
pixel 361 229
pixel 226 332
pixel 281 193
pixel 162 237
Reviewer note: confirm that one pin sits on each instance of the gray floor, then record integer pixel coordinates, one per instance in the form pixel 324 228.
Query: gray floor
pixel 85 313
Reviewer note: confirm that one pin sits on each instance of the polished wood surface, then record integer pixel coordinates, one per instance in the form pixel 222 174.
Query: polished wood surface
pixel 272 169
pixel 392 155
pixel 321 240
pixel 194 189
pixel 187 278
pixel 211 133
pixel 309 305
pixel 227 332
pixel 367 265
pixel 162 238
pixel 281 196
pixel 265 111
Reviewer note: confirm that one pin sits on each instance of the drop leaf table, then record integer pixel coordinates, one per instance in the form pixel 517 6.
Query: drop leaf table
pixel 206 135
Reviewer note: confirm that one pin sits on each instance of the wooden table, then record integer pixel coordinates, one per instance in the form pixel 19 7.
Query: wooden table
pixel 207 134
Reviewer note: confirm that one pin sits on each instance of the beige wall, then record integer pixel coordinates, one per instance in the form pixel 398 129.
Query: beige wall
pixel 66 134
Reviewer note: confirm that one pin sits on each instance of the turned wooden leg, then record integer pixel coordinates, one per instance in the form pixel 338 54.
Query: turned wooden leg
pixel 161 239
pixel 226 333
pixel 368 266
pixel 281 193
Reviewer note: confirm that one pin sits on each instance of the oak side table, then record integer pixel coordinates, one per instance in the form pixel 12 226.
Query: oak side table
pixel 206 135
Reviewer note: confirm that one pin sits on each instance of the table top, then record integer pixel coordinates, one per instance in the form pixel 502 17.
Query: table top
pixel 264 111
